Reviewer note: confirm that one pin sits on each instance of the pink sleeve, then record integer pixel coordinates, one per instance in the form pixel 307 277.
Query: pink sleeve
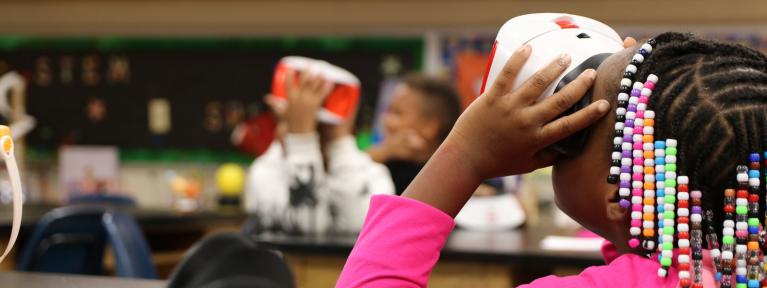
pixel 399 244
pixel 627 270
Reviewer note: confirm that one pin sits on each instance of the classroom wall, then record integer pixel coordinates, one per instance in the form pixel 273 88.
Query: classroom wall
pixel 237 18
pixel 429 18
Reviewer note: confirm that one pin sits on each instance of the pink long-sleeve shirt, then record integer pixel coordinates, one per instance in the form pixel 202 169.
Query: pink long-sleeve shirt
pixel 402 238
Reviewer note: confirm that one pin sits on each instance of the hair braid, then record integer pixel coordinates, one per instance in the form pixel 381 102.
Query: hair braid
pixel 712 98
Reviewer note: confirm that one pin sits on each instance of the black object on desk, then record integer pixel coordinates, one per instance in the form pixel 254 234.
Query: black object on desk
pixel 231 260
pixel 45 280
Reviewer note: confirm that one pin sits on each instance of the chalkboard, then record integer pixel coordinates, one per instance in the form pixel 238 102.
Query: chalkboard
pixel 101 91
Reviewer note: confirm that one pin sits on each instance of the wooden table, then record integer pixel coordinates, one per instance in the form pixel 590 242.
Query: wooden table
pixel 46 280
pixel 469 258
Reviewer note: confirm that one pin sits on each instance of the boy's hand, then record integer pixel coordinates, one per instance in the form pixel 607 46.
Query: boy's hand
pixel 506 132
pixel 404 145
pixel 278 107
pixel 333 132
pixel 303 101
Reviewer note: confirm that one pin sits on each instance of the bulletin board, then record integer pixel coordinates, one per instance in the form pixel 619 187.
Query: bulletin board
pixel 174 99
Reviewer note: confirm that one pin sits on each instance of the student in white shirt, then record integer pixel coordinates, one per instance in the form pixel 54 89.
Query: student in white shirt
pixel 312 179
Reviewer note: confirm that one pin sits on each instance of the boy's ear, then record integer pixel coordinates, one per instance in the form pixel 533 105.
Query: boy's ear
pixel 431 128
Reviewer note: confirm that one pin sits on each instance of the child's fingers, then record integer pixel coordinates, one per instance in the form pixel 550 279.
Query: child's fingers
pixel 629 41
pixel 277 106
pixel 508 74
pixel 312 83
pixel 533 87
pixel 305 74
pixel 558 103
pixel 290 84
pixel 324 88
pixel 310 78
pixel 566 126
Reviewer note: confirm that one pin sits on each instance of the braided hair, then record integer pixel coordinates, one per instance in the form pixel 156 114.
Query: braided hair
pixel 712 98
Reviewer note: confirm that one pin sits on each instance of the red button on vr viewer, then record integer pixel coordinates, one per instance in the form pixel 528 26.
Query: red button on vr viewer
pixel 566 24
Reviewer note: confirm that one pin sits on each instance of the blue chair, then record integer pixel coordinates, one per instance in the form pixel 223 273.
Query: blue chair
pixel 71 240
pixel 66 240
pixel 132 255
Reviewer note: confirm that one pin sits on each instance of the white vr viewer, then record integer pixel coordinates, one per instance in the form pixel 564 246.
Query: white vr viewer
pixel 587 41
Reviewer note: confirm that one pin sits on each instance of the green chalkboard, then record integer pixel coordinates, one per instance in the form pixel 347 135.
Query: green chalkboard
pixel 101 91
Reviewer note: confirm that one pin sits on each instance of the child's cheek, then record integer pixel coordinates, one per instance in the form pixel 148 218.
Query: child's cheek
pixel 562 182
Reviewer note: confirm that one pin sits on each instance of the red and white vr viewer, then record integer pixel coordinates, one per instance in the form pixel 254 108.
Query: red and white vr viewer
pixel 587 41
pixel 344 97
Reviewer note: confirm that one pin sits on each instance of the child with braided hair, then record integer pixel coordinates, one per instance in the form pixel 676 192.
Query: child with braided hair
pixel 671 178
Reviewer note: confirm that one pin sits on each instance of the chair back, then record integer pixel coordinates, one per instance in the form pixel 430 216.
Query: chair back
pixel 66 240
pixel 133 258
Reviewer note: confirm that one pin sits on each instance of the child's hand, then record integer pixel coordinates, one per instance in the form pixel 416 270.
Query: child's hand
pixel 278 107
pixel 304 99
pixel 333 132
pixel 404 145
pixel 506 132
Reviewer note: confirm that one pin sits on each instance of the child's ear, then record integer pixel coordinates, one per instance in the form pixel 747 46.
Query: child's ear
pixel 431 128
pixel 615 213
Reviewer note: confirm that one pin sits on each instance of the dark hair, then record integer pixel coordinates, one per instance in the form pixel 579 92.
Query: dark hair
pixel 712 98
pixel 441 100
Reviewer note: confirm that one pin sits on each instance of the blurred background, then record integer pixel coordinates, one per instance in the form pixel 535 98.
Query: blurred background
pixel 139 102
pixel 96 70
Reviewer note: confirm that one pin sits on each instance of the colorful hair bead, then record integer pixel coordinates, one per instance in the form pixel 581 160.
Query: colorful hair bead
pixel 696 238
pixel 669 206
pixel 660 176
pixel 741 226
pixel 637 168
pixel 626 103
pixel 683 238
pixel 713 244
pixel 647 162
pixel 728 238
pixel 753 257
pixel 645 49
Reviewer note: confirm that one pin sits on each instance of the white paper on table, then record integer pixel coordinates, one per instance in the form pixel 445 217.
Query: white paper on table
pixel 552 242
